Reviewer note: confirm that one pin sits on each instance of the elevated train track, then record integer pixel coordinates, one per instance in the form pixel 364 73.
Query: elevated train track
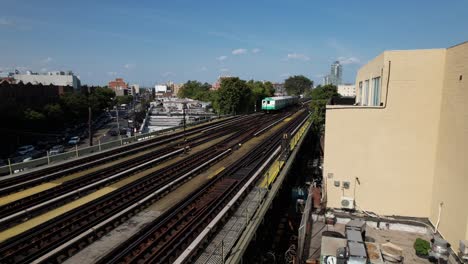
pixel 62 236
pixel 164 240
pixel 36 177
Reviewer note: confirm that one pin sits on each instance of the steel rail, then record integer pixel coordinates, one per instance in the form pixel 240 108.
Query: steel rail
pixel 30 205
pixel 9 185
pixel 8 247
pixel 122 251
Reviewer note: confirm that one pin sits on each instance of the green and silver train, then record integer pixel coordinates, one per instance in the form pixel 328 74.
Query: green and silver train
pixel 278 103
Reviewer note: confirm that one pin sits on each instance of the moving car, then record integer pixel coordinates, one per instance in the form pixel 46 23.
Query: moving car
pixel 25 149
pixel 74 140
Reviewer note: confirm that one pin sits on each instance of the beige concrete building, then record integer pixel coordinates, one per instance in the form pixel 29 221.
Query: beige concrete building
pixel 402 149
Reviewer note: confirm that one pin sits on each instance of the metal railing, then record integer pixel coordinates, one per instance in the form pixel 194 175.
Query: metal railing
pixel 232 230
pixel 305 227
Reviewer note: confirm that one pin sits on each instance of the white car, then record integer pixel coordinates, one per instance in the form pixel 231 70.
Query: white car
pixel 74 141
pixel 25 149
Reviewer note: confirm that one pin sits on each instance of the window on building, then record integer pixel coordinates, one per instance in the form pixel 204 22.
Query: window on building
pixel 365 99
pixel 376 91
pixel 360 93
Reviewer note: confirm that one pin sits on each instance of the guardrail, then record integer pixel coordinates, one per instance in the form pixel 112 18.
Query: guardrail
pixel 13 168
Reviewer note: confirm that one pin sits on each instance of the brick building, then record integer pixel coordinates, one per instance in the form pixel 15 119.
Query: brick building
pixel 119 86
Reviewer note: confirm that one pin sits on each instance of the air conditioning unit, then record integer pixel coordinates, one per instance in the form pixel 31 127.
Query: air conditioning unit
pixel 347 203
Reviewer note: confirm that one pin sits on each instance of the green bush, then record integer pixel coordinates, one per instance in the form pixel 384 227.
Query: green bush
pixel 422 247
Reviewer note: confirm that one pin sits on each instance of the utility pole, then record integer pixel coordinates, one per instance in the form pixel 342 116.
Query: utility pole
pixel 134 112
pixel 117 117
pixel 90 135
pixel 184 107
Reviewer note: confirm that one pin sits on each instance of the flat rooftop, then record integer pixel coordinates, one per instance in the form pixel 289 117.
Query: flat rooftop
pixel 402 236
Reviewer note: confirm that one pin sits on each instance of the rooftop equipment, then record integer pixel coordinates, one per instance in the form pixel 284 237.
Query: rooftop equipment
pixel 357 225
pixel 439 249
pixel 463 254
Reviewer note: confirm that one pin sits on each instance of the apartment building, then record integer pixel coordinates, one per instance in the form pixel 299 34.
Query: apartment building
pixel 402 148
pixel 119 86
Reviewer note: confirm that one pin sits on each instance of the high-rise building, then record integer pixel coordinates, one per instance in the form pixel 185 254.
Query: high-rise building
pixel 336 75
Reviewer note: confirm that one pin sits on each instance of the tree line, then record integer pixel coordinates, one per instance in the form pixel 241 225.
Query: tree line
pixel 235 96
pixel 71 108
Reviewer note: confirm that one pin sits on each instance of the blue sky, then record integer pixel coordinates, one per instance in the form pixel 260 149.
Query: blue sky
pixel 149 42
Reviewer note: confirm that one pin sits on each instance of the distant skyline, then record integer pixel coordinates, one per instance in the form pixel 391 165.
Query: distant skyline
pixel 150 42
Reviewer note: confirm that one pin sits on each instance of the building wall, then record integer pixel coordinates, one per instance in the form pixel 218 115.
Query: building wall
pixel 347 90
pixel 451 167
pixel 59 80
pixel 388 147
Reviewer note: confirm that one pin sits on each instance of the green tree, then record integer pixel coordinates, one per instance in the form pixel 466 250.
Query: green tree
pixel 194 90
pixel 297 85
pixel 260 90
pixel 319 99
pixel 234 96
pixel 101 98
pixel 124 99
pixel 33 116
pixel 53 112
pixel 75 106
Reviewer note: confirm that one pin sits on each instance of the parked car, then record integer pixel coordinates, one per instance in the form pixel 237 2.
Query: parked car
pixel 113 132
pixel 57 149
pixel 25 149
pixel 74 140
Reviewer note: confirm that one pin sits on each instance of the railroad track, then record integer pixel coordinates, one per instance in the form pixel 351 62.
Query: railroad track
pixel 29 206
pixel 166 238
pixel 15 184
pixel 61 237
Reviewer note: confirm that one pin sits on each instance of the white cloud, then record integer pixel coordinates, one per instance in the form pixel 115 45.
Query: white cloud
pixel 221 58
pixel 256 50
pixel 129 66
pixel 297 56
pixel 44 69
pixel 47 60
pixel 168 74
pixel 224 70
pixel 349 60
pixel 112 73
pixel 284 75
pixel 239 51
pixel 203 68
